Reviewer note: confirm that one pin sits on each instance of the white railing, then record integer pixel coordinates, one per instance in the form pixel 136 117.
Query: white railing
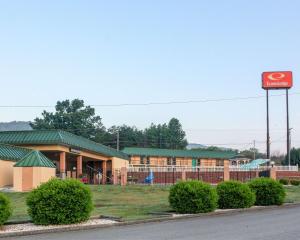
pixel 262 168
pixel 175 169
pixel 287 168
pixel 245 169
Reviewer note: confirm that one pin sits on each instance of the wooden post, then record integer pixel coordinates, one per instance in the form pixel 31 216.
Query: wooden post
pixel 104 170
pixel 273 172
pixel 115 177
pixel 123 176
pixel 79 165
pixel 183 175
pixel 62 164
pixel 226 170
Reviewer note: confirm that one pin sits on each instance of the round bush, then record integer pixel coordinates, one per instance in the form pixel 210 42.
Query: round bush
pixel 267 191
pixel 193 197
pixel 295 182
pixel 5 209
pixel 60 202
pixel 284 181
pixel 233 194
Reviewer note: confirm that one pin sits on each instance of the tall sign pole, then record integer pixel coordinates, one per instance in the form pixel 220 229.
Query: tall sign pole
pixel 268 127
pixel 275 81
pixel 288 147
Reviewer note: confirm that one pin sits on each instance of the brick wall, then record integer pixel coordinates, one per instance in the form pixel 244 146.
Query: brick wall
pixel 287 174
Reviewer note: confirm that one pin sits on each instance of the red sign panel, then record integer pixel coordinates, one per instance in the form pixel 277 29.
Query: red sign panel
pixel 277 80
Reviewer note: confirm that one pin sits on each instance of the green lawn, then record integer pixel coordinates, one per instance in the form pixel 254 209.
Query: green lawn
pixel 129 203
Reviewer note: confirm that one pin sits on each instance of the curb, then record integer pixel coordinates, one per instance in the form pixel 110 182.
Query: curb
pixel 151 220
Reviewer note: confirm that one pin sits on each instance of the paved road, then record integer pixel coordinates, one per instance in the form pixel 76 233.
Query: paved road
pixel 279 224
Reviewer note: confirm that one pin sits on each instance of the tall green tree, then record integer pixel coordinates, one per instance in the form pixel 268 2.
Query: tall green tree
pixel 72 116
pixel 156 136
pixel 176 135
pixel 295 157
pixel 128 137
pixel 169 135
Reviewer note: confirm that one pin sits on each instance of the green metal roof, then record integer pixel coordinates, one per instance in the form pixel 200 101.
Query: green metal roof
pixel 178 153
pixel 13 153
pixel 35 159
pixel 57 137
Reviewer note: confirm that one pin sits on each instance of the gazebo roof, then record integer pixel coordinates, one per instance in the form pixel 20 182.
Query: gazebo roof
pixel 35 159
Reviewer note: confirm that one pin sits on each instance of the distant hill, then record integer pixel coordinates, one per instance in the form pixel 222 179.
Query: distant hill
pixel 14 126
pixel 195 145
pixel 192 146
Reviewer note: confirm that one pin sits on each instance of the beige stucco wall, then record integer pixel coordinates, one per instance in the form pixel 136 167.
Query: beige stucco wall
pixel 118 163
pixel 41 175
pixel 28 178
pixel 6 173
pixel 17 176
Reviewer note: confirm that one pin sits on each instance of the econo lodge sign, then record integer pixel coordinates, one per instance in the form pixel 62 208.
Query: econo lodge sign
pixel 277 80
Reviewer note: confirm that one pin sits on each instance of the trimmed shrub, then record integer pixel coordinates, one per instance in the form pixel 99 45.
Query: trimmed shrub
pixel 267 191
pixel 5 209
pixel 284 181
pixel 295 182
pixel 193 197
pixel 234 194
pixel 60 202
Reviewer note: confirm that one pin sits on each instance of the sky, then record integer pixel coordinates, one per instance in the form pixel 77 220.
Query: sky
pixel 116 52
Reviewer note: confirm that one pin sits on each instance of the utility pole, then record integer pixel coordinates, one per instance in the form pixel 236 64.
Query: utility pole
pixel 118 140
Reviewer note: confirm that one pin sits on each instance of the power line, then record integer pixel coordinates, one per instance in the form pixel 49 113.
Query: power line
pixel 156 103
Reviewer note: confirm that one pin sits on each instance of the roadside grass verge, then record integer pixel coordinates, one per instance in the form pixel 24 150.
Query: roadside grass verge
pixel 129 203
pixel 133 202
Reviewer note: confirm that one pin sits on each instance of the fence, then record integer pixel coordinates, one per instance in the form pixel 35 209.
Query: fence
pixel 172 174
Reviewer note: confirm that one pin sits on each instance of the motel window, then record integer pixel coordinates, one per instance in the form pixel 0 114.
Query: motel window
pixel 148 160
pixel 174 161
pixel 219 163
pixel 142 160
pixel 198 162
pixel 169 161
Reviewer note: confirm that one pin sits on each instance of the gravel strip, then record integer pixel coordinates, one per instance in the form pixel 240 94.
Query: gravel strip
pixel 29 227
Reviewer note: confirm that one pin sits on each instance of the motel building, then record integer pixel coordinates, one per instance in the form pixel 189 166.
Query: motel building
pixel 155 157
pixel 28 158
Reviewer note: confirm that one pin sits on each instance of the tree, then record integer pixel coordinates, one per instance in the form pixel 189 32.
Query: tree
pixel 250 153
pixel 295 157
pixel 128 137
pixel 176 135
pixel 156 136
pixel 72 116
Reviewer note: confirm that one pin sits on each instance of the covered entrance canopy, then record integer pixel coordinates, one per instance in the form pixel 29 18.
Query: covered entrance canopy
pixel 74 156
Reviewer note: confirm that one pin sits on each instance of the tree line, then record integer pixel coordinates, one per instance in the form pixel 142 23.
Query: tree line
pixel 73 116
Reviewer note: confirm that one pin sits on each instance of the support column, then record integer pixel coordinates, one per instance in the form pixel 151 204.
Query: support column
pixel 62 164
pixel 183 175
pixel 115 177
pixel 79 165
pixel 226 170
pixel 123 176
pixel 273 172
pixel 104 170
